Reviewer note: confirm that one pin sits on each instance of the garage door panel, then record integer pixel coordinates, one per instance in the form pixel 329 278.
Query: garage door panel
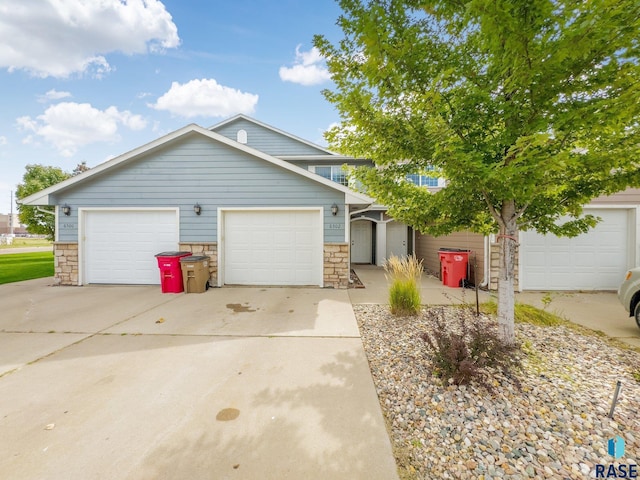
pixel 596 260
pixel 276 247
pixel 120 245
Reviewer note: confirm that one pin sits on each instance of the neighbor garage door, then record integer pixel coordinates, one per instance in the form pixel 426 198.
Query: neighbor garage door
pixel 119 246
pixel 273 247
pixel 596 260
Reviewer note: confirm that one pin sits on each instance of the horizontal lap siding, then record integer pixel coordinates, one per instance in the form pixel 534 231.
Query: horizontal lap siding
pixel 202 171
pixel 630 196
pixel 427 248
pixel 266 140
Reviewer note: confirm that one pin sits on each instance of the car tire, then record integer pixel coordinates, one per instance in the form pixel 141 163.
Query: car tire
pixel 636 314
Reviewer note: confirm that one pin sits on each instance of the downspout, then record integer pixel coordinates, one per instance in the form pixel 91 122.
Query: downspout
pixel 45 211
pixel 487 262
pixel 55 226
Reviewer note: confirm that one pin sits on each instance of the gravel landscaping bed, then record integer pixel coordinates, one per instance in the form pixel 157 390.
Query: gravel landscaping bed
pixel 554 425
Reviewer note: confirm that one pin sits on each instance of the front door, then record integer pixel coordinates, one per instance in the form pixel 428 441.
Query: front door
pixel 396 239
pixel 361 242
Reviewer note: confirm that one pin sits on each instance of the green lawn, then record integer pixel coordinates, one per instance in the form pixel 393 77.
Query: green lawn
pixel 15 267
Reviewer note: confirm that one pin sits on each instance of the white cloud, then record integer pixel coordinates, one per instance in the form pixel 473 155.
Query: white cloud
pixel 53 95
pixel 60 37
pixel 205 98
pixel 308 69
pixel 68 126
pixel 3 140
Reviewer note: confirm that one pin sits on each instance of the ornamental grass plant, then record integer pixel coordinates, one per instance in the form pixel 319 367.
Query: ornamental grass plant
pixel 404 274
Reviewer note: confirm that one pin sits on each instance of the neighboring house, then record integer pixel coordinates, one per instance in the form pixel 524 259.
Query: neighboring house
pixel 596 260
pixel 267 214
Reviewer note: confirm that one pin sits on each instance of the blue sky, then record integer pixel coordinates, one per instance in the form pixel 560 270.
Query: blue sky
pixel 83 80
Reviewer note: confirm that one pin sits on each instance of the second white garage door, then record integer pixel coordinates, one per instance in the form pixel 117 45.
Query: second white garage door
pixel 596 260
pixel 120 245
pixel 272 247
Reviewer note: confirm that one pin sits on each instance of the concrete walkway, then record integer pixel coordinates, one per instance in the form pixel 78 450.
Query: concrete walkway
pixel 6 251
pixel 596 310
pixel 431 289
pixel 111 382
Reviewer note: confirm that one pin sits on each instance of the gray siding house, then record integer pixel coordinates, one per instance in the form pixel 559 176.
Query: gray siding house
pixel 267 207
pixel 274 209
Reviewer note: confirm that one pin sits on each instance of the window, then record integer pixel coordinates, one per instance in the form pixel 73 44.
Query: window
pixel 423 180
pixel 334 173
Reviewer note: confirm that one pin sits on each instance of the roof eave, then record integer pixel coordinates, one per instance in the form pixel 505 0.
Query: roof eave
pixel 37 198
pixel 32 199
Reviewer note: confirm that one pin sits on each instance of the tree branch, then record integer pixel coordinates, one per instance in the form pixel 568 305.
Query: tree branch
pixel 521 211
pixel 493 210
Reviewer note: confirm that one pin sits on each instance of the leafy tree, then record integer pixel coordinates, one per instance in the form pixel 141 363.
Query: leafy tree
pixel 36 178
pixel 80 168
pixel 528 109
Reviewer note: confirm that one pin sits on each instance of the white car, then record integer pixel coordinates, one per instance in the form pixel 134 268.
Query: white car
pixel 629 293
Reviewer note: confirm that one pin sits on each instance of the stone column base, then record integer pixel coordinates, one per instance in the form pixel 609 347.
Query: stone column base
pixel 65 263
pixel 209 249
pixel 336 265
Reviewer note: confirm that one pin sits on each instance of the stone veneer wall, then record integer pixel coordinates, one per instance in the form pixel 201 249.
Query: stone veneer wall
pixel 336 265
pixel 65 263
pixel 210 249
pixel 495 268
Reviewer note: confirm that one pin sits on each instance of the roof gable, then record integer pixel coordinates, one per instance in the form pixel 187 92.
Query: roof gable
pixel 268 139
pixel 42 197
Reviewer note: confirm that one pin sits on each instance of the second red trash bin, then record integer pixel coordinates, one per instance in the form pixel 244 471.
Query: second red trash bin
pixel 170 271
pixel 453 266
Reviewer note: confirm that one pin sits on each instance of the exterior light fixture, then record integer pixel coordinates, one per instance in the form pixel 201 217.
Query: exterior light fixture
pixel 66 209
pixel 334 209
pixel 197 208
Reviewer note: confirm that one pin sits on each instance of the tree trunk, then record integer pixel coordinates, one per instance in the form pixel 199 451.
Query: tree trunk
pixel 508 240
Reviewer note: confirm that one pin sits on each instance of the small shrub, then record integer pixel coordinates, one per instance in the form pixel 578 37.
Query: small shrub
pixel 466 353
pixel 404 297
pixel 404 293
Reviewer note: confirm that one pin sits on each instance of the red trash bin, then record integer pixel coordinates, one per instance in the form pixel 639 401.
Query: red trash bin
pixel 170 271
pixel 453 266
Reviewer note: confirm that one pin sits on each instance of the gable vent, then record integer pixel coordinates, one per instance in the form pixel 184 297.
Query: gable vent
pixel 242 136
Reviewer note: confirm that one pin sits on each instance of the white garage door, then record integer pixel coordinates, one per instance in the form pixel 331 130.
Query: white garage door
pixel 596 260
pixel 119 246
pixel 273 247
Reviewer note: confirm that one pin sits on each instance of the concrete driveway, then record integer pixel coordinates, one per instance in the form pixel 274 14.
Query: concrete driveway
pixel 595 310
pixel 235 383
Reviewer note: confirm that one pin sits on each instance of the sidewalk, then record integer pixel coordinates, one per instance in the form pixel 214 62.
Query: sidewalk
pixel 5 251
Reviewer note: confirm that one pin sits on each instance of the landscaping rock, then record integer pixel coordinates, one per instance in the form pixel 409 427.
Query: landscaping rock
pixel 549 422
